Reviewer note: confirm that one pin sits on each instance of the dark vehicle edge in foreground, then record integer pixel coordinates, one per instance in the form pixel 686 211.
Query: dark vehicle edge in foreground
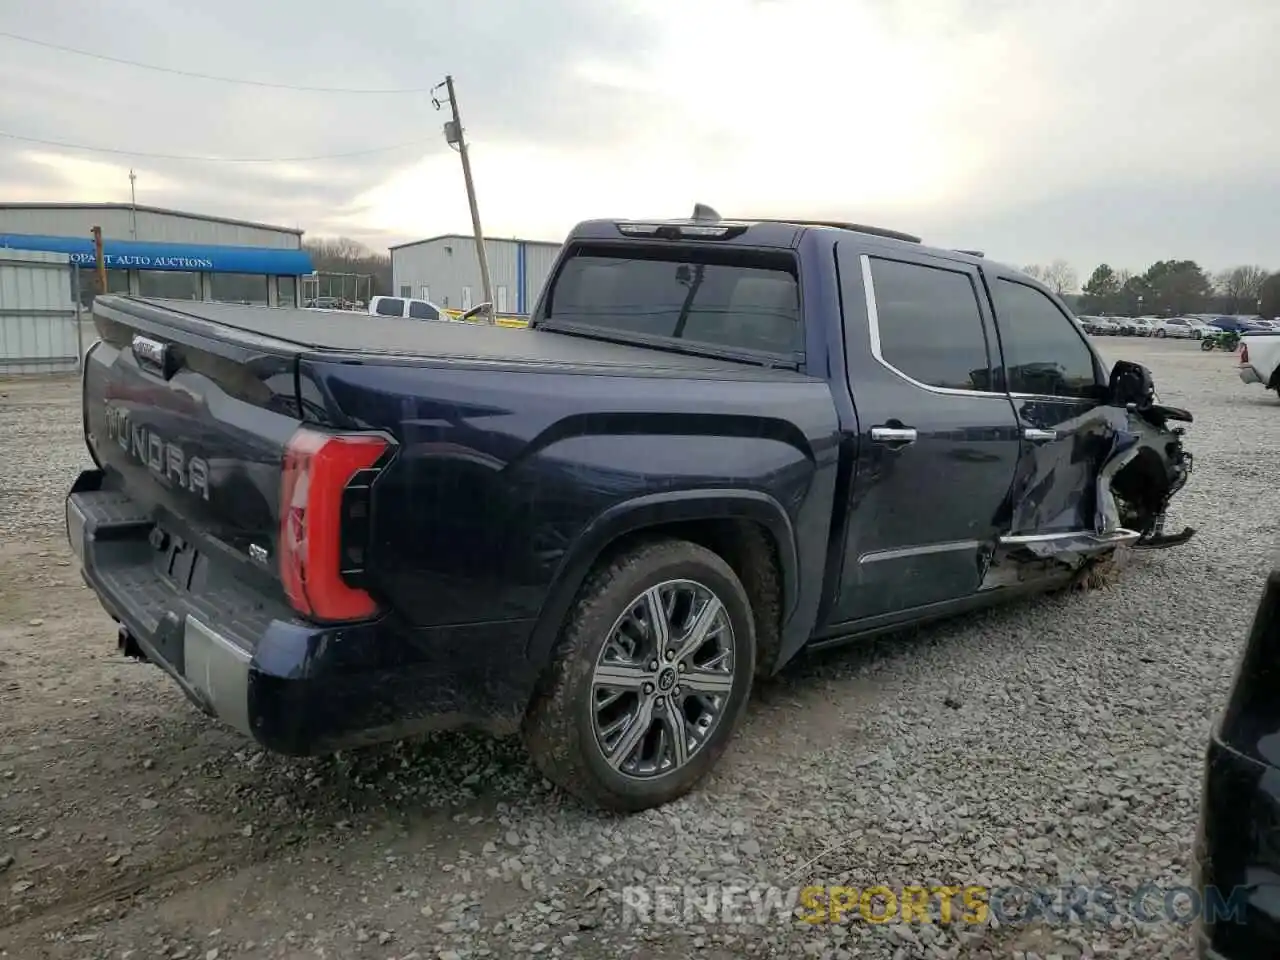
pixel 332 533
pixel 1236 844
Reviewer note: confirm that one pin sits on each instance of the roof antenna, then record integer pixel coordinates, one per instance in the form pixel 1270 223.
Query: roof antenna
pixel 702 212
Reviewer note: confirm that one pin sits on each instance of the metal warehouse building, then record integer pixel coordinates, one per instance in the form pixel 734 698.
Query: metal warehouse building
pixel 446 271
pixel 155 252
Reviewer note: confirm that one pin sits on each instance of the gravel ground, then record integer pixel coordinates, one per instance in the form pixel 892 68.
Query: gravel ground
pixel 1052 742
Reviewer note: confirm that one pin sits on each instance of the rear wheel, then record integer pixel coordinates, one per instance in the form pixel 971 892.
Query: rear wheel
pixel 649 679
pixel 1206 344
pixel 1161 333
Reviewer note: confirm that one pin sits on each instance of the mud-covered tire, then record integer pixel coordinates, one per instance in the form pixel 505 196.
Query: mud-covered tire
pixel 558 728
pixel 1206 344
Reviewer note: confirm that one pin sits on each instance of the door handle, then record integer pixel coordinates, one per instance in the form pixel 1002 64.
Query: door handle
pixel 894 435
pixel 1039 436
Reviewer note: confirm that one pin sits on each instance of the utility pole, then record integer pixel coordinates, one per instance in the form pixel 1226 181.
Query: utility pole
pixel 99 260
pixel 453 135
pixel 133 205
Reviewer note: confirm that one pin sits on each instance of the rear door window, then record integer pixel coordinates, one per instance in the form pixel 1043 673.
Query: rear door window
pixel 390 307
pixel 733 300
pixel 930 325
pixel 422 311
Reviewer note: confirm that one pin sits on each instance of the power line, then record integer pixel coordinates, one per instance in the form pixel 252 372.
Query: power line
pixel 203 76
pixel 178 156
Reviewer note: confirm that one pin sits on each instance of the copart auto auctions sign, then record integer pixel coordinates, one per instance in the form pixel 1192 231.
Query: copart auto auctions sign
pixel 154 263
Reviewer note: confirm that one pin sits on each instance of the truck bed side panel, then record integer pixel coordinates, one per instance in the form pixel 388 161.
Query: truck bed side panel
pixel 501 471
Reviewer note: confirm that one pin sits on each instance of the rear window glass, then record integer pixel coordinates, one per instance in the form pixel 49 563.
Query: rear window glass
pixel 719 300
pixel 390 307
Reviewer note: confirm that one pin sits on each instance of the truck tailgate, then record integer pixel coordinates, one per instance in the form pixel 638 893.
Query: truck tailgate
pixel 191 425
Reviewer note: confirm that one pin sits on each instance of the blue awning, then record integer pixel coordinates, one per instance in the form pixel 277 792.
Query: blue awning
pixel 141 255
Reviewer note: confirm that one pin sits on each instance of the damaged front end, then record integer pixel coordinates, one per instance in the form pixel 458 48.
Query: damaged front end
pixel 1147 465
pixel 1105 481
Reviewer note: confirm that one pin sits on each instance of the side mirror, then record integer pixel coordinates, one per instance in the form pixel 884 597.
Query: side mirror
pixel 1131 383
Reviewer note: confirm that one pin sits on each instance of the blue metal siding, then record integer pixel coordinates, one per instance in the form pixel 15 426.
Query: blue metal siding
pixel 140 255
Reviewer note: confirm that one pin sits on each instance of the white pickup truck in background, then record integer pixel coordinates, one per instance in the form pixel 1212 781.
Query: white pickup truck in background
pixel 1260 360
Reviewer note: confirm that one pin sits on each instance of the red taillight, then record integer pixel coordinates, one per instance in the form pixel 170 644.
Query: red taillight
pixel 317 469
pixel 1244 353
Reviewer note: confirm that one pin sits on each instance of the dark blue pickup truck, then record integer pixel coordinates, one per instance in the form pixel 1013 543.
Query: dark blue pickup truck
pixel 718 442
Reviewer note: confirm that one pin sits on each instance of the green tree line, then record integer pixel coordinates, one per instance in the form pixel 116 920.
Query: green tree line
pixel 1166 288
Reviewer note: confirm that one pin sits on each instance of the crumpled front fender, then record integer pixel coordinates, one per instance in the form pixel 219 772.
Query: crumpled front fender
pixel 1134 461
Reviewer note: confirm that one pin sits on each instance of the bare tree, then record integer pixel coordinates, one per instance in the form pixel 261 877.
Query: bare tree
pixel 339 248
pixel 1242 286
pixel 1057 276
pixel 338 255
pixel 1060 277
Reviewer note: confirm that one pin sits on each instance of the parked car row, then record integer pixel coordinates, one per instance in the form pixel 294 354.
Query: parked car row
pixel 1192 326
pixel 1243 323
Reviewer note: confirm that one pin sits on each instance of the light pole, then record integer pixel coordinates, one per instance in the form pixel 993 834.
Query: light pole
pixel 133 206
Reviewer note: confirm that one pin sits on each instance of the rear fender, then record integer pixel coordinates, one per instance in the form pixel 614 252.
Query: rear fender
pixel 654 510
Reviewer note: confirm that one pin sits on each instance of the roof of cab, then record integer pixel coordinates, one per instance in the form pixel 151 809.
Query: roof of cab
pixel 770 232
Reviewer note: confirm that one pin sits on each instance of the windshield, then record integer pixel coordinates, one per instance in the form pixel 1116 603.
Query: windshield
pixel 722 299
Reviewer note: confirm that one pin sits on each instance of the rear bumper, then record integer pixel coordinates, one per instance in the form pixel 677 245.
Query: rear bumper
pixel 294 687
pixel 1249 375
pixel 1237 857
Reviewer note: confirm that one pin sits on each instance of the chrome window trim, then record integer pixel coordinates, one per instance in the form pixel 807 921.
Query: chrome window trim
pixel 873 330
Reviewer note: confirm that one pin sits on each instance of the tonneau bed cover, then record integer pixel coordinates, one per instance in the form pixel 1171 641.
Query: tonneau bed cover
pixel 362 334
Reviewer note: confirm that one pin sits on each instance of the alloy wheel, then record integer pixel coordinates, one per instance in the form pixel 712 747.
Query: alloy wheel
pixel 663 679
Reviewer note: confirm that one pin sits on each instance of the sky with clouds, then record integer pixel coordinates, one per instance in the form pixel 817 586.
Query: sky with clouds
pixel 1117 130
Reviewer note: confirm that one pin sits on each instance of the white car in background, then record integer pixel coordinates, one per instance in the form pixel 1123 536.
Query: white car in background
pixel 1184 327
pixel 1260 359
pixel 405 307
pixel 1143 326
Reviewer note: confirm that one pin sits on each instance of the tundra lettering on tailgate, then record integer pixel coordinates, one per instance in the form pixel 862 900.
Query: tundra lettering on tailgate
pixel 163 458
